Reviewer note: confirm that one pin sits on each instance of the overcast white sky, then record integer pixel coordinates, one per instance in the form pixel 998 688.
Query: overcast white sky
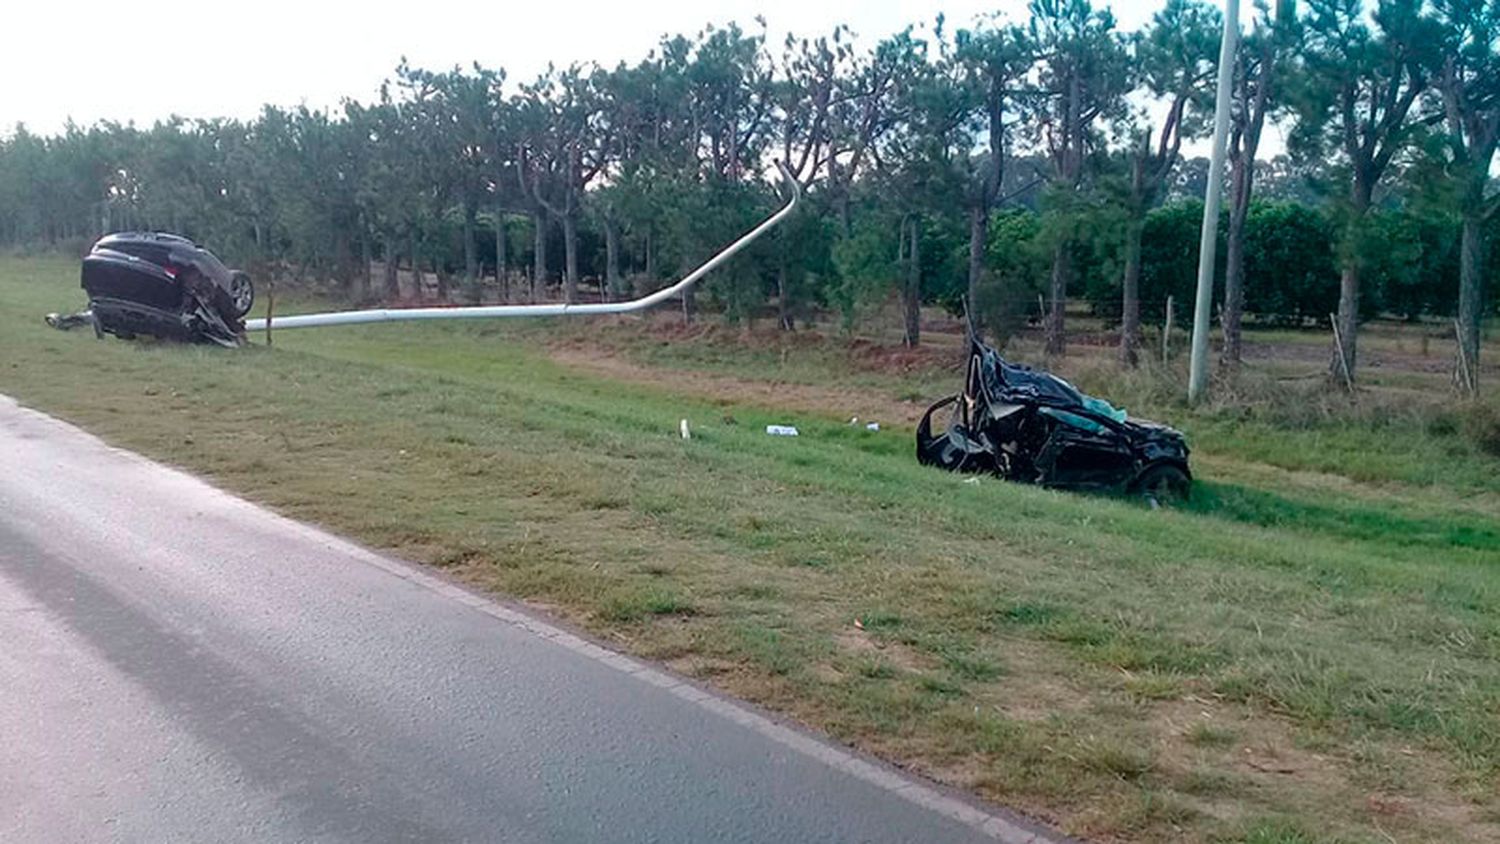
pixel 147 59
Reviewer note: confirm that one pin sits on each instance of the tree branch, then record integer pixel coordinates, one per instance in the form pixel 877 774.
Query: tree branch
pixel 1494 207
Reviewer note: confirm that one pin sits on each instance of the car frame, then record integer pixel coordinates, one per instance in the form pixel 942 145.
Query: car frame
pixel 1031 426
pixel 165 285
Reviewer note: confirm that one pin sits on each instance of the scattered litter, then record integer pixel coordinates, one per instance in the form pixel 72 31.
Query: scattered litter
pixel 687 435
pixel 972 480
pixel 63 322
pixel 859 624
pixel 873 426
pixel 781 430
pixel 854 420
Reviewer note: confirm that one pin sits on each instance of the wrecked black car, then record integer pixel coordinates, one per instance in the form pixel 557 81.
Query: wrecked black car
pixel 162 285
pixel 1033 427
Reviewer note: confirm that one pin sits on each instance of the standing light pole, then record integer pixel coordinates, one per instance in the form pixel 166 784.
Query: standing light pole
pixel 1209 241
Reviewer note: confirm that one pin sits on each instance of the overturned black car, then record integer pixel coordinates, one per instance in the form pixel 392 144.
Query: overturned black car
pixel 165 286
pixel 1033 427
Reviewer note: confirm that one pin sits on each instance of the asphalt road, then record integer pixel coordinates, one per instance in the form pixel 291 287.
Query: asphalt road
pixel 177 664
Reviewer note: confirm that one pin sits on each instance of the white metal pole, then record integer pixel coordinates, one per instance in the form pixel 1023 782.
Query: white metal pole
pixel 557 309
pixel 1209 241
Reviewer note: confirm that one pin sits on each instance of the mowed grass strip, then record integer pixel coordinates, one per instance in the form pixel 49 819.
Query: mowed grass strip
pixel 1270 663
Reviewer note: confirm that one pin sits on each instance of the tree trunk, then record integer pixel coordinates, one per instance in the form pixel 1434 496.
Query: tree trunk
pixel 1246 141
pixel 570 258
pixel 500 257
pixel 416 267
pixel 784 319
pixel 1062 270
pixel 343 264
pixel 1341 371
pixel 471 252
pixel 442 279
pixel 650 257
pixel 1130 306
pixel 1234 284
pixel 1344 354
pixel 366 255
pixel 911 298
pixel 978 234
pixel 1471 293
pixel 1069 166
pixel 392 283
pixel 614 283
pixel 539 255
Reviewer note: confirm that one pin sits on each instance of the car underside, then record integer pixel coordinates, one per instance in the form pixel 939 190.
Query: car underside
pixel 161 285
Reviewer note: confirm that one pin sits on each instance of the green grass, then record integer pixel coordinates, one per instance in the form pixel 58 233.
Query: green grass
pixel 1329 597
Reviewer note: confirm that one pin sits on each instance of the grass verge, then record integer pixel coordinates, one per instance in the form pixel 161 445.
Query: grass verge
pixel 1309 651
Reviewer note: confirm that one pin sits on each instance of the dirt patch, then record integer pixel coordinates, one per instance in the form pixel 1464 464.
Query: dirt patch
pixel 1397 790
pixel 857 641
pixel 702 667
pixel 938 349
pixel 879 357
pixel 827 401
pixel 1373 358
pixel 1033 690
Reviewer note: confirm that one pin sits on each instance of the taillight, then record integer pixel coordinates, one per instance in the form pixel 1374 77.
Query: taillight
pixel 170 270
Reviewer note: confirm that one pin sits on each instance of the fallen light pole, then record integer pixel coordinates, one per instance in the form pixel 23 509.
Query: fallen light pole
pixel 547 310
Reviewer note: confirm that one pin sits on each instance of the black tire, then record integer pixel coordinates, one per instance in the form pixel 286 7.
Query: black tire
pixel 241 292
pixel 1163 483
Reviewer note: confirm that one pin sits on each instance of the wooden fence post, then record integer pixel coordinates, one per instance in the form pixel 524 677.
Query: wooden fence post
pixel 1166 335
pixel 1338 342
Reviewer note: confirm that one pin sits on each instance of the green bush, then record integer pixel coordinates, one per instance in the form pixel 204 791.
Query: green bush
pixel 1017 263
pixel 1169 259
pixel 1291 263
pixel 1291 271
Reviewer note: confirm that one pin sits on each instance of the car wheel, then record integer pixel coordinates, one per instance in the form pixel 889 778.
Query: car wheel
pixel 1163 484
pixel 242 292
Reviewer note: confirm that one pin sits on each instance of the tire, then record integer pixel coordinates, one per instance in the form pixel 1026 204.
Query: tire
pixel 1163 483
pixel 241 292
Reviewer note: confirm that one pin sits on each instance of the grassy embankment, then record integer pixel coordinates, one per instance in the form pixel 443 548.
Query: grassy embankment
pixel 1310 650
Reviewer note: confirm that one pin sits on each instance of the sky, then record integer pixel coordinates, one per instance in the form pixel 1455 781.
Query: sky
pixel 148 59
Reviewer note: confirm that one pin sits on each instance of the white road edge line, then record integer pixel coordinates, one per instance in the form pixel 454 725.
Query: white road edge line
pixel 878 774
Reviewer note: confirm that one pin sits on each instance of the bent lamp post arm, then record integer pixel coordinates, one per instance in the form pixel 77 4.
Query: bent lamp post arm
pixel 547 310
